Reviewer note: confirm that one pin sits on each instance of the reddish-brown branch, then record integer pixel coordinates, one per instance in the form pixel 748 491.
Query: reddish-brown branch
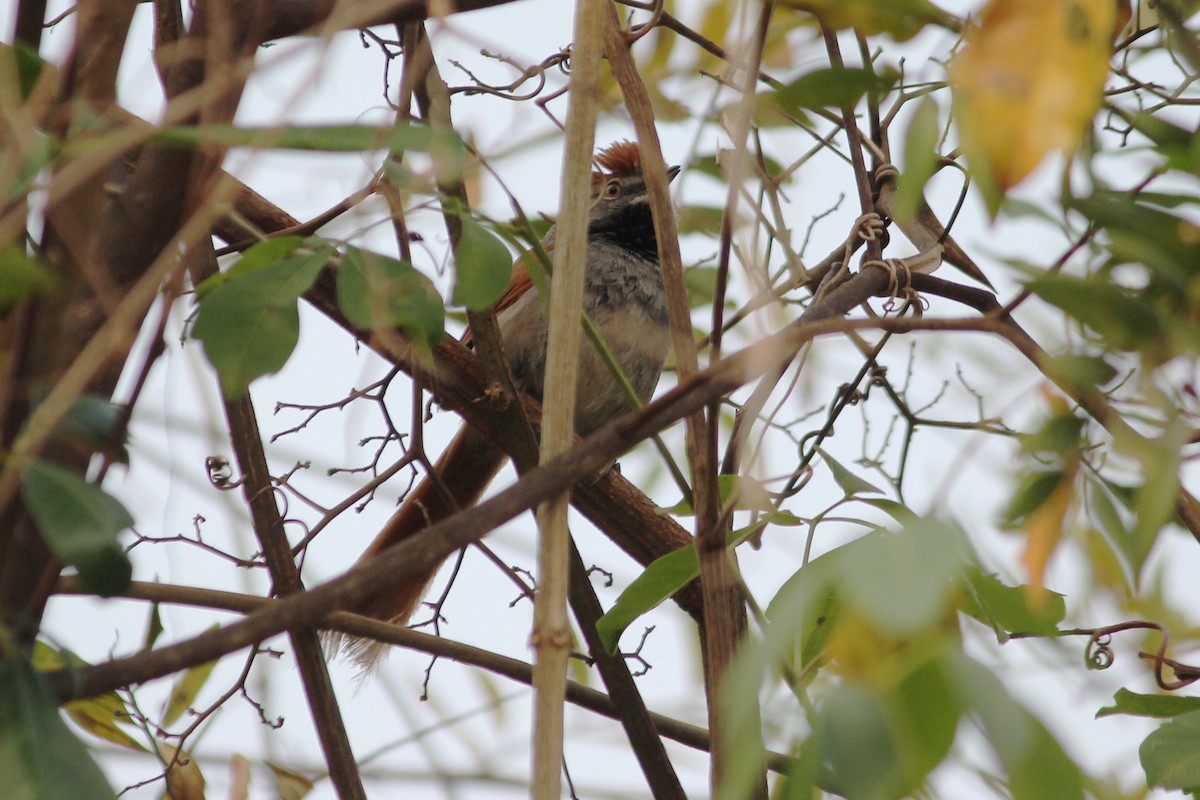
pixel 50 331
pixel 419 553
pixel 322 17
pixel 27 29
pixel 353 624
pixel 613 504
pixel 285 576
pixel 723 612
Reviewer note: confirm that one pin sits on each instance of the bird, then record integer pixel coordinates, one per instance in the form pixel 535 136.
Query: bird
pixel 623 295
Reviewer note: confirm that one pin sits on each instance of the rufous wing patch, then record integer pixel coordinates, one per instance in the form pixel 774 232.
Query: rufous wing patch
pixel 518 286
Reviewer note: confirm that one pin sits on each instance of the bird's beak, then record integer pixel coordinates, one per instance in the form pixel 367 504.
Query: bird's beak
pixel 672 172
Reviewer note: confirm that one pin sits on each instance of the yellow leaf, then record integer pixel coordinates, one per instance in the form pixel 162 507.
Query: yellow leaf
pixel 610 90
pixel 665 108
pixel 1028 82
pixel 96 715
pixel 1043 532
pixel 1044 525
pixel 900 19
pixel 862 652
pixel 714 26
pixel 290 785
pixel 777 50
pixel 184 693
pixel 46 658
pixel 658 63
pixel 99 716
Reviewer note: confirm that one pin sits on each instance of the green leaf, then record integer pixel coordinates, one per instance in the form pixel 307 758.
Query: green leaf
pixel 1037 766
pixel 376 291
pixel 1149 705
pixel 40 151
pixel 804 612
pixel 701 219
pixel 784 518
pixel 897 511
pixel 902 581
pixel 1059 434
pixel 1162 132
pixel 835 87
pixel 857 754
pixel 819 619
pixel 186 689
pixel 742 720
pixel 923 710
pixel 402 177
pixel 482 267
pixel 1154 500
pixel 249 324
pixel 920 159
pixel 701 283
pixel 1166 243
pixel 40 759
pixel 154 628
pixel 901 19
pixel 1035 489
pixel 850 483
pixel 21 64
pixel 1161 199
pixel 92 423
pixel 747 493
pixel 1112 528
pixel 48 659
pixel 21 276
pixel 80 523
pixel 1006 609
pixel 259 255
pixel 1117 314
pixel 1179 145
pixel 1171 755
pixel 1083 371
pixel 324 138
pixel 665 576
pixel 880 744
pixel 708 165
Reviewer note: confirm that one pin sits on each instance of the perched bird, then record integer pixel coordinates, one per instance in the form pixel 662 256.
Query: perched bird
pixel 623 295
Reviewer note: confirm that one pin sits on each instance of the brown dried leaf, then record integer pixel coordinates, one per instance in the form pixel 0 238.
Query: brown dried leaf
pixel 184 780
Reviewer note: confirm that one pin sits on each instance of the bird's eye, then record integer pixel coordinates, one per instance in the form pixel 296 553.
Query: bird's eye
pixel 612 189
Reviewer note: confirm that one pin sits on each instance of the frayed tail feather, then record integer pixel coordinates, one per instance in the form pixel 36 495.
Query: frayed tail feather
pixel 364 654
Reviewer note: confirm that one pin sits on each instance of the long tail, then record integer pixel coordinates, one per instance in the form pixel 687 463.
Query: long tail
pixel 465 469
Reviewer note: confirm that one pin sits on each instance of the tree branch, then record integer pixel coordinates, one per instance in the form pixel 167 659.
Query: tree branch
pixel 615 506
pixel 579 464
pixel 345 622
pixel 324 17
pixel 259 490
